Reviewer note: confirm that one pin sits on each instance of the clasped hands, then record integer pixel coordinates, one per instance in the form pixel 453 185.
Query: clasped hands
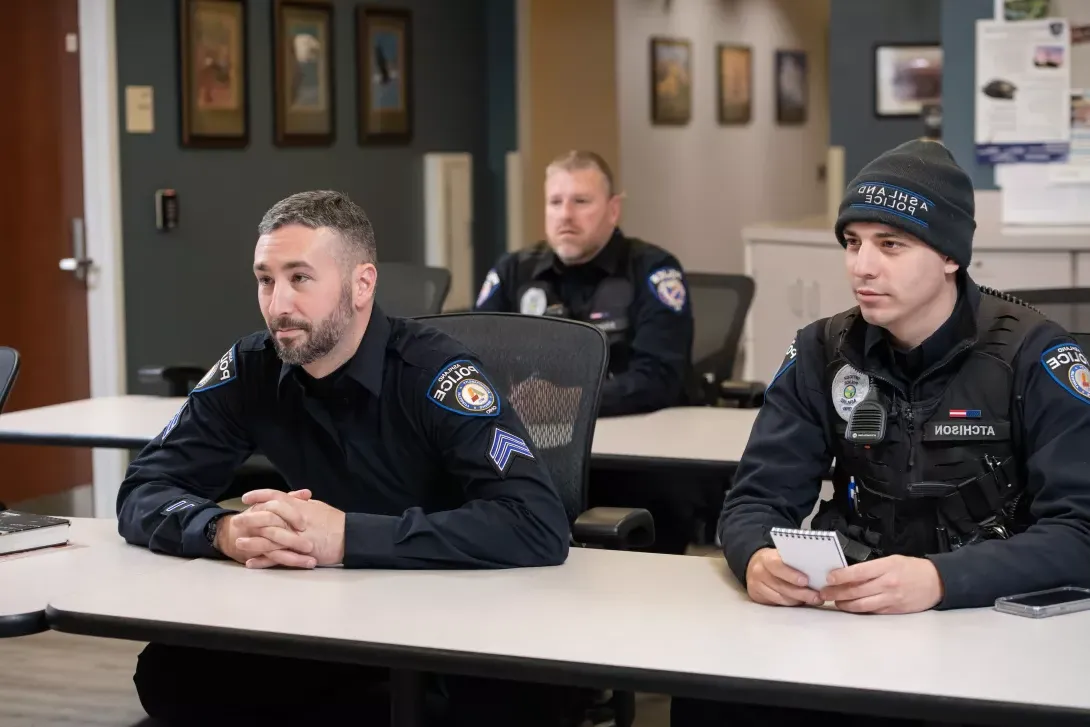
pixel 893 584
pixel 283 528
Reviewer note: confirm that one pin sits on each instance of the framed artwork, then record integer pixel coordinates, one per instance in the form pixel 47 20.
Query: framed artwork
pixel 792 87
pixel 212 73
pixel 907 78
pixel 303 73
pixel 671 81
pixel 735 64
pixel 384 60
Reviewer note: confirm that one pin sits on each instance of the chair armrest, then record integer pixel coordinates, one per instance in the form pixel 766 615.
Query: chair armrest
pixel 615 528
pixel 178 378
pixel 743 394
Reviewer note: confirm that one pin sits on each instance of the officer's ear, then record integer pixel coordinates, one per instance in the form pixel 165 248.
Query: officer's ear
pixel 364 277
pixel 614 207
pixel 949 266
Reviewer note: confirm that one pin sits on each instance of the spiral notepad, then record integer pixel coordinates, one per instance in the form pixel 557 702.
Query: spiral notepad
pixel 813 552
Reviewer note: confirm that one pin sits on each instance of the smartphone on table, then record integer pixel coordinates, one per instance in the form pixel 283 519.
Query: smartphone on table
pixel 1042 604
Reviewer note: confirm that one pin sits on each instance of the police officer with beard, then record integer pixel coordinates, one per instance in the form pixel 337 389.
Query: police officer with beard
pixel 386 431
pixel 588 270
pixel 958 419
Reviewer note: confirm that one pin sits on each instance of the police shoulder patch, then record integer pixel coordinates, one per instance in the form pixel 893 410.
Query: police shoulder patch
pixel 1068 367
pixel 668 285
pixel 222 372
pixel 504 448
pixel 461 388
pixel 491 284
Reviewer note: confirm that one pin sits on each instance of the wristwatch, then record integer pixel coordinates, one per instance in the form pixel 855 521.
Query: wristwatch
pixel 212 526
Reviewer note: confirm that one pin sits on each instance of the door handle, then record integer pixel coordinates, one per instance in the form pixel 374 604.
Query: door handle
pixel 79 263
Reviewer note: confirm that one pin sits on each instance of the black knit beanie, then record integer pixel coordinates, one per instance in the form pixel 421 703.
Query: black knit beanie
pixel 919 188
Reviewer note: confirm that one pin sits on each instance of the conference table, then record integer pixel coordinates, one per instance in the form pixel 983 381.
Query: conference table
pixel 605 619
pixel 95 557
pixel 690 437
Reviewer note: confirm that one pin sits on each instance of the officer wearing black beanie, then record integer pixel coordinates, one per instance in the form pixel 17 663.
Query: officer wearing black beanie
pixel 930 379
pixel 919 188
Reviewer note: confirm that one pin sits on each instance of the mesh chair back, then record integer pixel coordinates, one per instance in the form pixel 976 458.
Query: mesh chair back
pixel 406 290
pixel 550 371
pixel 720 304
pixel 1070 307
pixel 9 369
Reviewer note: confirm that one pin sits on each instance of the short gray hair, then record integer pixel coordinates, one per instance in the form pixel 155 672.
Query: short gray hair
pixel 579 159
pixel 333 210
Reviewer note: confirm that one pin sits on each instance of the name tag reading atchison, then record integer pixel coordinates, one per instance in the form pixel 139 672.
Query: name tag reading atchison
pixel 975 431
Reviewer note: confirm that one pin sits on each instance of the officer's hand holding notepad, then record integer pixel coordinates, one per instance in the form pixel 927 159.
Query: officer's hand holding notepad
pixel 813 552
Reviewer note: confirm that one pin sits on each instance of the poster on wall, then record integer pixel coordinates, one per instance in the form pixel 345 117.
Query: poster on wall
pixel 1023 87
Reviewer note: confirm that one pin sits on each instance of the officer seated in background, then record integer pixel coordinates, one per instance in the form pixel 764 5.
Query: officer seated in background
pixel 977 485
pixel 384 428
pixel 588 270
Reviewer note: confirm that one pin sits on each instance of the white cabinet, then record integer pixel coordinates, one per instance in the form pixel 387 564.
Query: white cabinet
pixel 795 285
pixel 1082 270
pixel 1004 270
pixel 800 277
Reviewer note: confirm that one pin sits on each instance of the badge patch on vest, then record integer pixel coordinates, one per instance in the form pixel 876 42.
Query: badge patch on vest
pixel 222 372
pixel 1068 367
pixel 505 447
pixel 491 282
pixel 533 302
pixel 849 388
pixel 668 285
pixel 788 361
pixel 461 388
pixel 975 431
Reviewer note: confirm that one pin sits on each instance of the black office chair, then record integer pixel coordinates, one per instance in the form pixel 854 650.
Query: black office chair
pixel 9 371
pixel 571 357
pixel 406 290
pixel 1070 307
pixel 720 304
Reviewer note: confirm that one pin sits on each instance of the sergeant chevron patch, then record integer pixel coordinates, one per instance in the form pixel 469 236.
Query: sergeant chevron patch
pixel 505 446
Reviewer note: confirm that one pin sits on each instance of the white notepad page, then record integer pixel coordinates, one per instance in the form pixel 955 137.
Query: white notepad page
pixel 813 552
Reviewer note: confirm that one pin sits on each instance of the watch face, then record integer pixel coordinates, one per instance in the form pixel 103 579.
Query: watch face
pixel 210 528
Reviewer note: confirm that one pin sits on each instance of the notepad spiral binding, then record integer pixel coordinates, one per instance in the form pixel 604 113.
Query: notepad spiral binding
pixel 805 534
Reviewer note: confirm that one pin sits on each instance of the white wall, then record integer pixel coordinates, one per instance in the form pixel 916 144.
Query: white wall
pixel 693 188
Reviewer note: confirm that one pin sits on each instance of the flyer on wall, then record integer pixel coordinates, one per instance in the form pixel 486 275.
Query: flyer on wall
pixel 1023 87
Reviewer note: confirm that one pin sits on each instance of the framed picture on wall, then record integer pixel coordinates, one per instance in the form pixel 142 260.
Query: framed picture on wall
pixel 735 64
pixel 384 72
pixel 671 81
pixel 212 73
pixel 792 87
pixel 303 73
pixel 906 79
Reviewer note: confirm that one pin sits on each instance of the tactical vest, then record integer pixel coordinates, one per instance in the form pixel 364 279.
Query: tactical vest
pixel 945 474
pixel 608 308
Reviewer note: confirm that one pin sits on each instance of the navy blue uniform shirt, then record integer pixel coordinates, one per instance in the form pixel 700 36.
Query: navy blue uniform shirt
pixel 779 476
pixel 409 438
pixel 651 360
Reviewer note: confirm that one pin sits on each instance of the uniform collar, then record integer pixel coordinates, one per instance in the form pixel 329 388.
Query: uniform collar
pixel 607 259
pixel 366 364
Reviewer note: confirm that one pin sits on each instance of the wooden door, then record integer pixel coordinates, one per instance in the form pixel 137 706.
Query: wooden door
pixel 41 210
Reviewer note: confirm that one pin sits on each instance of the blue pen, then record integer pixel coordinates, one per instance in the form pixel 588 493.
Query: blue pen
pixel 852 500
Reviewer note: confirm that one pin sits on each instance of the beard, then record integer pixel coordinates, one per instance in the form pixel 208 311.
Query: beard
pixel 316 340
